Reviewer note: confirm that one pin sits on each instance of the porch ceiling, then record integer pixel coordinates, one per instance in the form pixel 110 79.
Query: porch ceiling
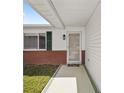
pixel 62 13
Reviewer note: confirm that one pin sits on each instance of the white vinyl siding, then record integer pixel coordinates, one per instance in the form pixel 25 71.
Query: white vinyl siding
pixel 93 47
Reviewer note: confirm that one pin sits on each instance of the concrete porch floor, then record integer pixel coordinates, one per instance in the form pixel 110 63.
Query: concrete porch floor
pixel 70 80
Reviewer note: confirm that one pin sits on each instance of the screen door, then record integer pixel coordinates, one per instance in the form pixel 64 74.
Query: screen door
pixel 74 48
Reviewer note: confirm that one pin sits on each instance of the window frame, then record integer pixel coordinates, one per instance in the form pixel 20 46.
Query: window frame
pixel 35 34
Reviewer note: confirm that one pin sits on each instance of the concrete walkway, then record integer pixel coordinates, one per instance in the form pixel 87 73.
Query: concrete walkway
pixel 70 80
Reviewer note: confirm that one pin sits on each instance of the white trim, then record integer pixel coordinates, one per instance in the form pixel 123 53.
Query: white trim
pixel 30 34
pixel 67 36
pixel 37 25
pixel 34 49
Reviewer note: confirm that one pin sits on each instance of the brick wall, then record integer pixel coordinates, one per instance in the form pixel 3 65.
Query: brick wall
pixel 47 57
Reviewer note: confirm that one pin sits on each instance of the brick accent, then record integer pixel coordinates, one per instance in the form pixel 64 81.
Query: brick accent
pixel 47 57
pixel 44 57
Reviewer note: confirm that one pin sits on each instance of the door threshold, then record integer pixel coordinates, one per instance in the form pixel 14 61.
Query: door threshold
pixel 73 65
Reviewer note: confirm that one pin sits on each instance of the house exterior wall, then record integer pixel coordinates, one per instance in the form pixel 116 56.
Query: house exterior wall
pixel 93 47
pixel 57 35
pixel 58 54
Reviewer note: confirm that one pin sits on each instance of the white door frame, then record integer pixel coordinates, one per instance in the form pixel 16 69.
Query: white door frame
pixel 67 40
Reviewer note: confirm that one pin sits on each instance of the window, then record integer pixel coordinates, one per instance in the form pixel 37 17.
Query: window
pixel 42 41
pixel 30 41
pixel 38 41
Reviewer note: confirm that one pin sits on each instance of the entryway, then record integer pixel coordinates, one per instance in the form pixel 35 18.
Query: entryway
pixel 74 47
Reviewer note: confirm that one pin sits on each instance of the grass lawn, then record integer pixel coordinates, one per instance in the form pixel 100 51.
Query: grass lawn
pixel 35 77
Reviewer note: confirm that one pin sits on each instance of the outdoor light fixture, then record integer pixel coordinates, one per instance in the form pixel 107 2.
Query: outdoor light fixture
pixel 63 36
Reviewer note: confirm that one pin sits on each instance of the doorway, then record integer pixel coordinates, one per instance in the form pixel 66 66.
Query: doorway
pixel 74 48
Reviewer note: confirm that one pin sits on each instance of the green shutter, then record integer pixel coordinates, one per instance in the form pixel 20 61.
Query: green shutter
pixel 49 40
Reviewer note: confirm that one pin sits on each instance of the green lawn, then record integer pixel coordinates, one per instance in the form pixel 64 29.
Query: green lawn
pixel 36 77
